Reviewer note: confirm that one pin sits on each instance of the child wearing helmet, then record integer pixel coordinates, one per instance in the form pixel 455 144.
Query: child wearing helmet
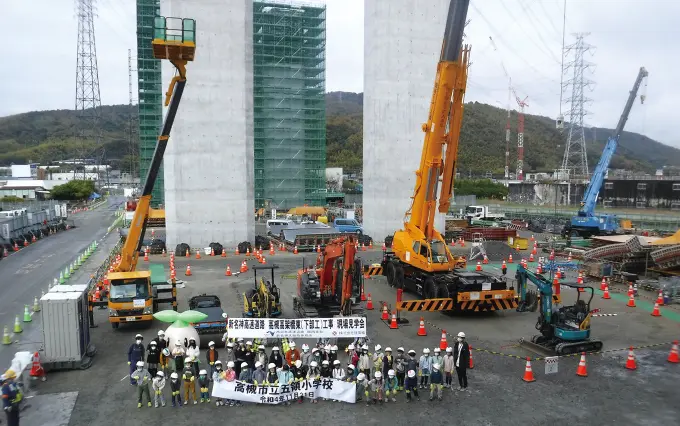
pixel 292 354
pixel 218 376
pixel 365 361
pixel 158 384
pixel 326 371
pixel 437 359
pixel 425 364
pixel 245 375
pixel 176 389
pixel 178 354
pixel 391 386
pixel 211 356
pixel 353 355
pixel 230 375
pixel 272 376
pixel 338 371
pixel 259 375
pixel 203 383
pixel 333 355
pixel 377 386
pixel 377 358
pixel 399 364
pixel 411 385
pixel 436 382
pixel 165 358
pixel 362 388
pixel 276 357
pixel 285 378
pixel 351 373
pixel 189 381
pixel 448 367
pixel 153 358
pixel 299 373
pixel 306 355
pixel 142 379
pixel 387 361
pixel 313 373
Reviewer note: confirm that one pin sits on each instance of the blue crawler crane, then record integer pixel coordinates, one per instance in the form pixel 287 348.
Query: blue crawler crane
pixel 564 329
pixel 587 222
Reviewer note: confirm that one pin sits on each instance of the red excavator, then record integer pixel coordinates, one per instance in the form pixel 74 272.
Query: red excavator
pixel 333 286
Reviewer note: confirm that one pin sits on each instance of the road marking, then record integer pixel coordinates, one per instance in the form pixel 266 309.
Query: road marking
pixel 126 376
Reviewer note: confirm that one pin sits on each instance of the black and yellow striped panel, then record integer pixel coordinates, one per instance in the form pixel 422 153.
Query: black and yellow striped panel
pixel 371 270
pixel 429 305
pixel 487 305
pixel 555 297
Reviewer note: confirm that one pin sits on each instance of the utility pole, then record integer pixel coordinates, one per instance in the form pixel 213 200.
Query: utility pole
pixel 88 100
pixel 520 135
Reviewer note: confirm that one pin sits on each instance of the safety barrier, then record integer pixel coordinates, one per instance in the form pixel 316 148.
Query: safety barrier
pixel 372 270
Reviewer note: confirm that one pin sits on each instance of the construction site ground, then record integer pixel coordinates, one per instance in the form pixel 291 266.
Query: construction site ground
pixel 497 395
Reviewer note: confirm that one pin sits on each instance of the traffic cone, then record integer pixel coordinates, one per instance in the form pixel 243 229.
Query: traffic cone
pixel 421 328
pixel 263 261
pixel 212 251
pixel 362 295
pixel 581 370
pixel 532 237
pixel 556 282
pixel 369 303
pixel 656 312
pixel 630 289
pixel 244 267
pixel 631 364
pixel 472 363
pixel 552 255
pixel 146 255
pixel 27 314
pixel 510 259
pixel 318 248
pixel 528 373
pixel 603 283
pixel 173 274
pixel 295 250
pixel 558 274
pixel 531 258
pixel 227 273
pixel 36 305
pixel 37 369
pixel 384 247
pixel 579 280
pixel 224 252
pixel 61 278
pixel 33 239
pixel 631 302
pixel 659 299
pixel 236 252
pixel 606 292
pixel 485 261
pixel 6 340
pixel 198 254
pixel 188 271
pixel 534 251
pixel 385 316
pixel 187 253
pixel 479 267
pixel 16 246
pixel 442 342
pixel 363 247
pixel 672 357
pixel 393 324
pixel 271 250
pixel 370 244
pixel 25 242
pixel 462 242
pixel 17 325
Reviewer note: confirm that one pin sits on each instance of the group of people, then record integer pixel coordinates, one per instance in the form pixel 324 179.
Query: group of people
pixel 379 375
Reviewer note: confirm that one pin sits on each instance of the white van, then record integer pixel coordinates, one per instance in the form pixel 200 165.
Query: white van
pixel 274 226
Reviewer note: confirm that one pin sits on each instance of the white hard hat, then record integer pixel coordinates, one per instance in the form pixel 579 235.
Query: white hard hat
pixel 412 352
pixel 449 349
pixel 275 348
pixel 187 360
pixel 313 364
pixel 388 349
pixel 400 349
pixel 160 373
pixel 230 345
pixel 351 366
pixel 435 366
pixel 152 343
pixel 378 374
pixel 291 344
pixel 334 347
pixel 411 373
pixel 315 349
pixel 390 373
pixel 218 362
pixel 178 342
pixel 324 362
pixel 239 340
pixel 138 336
pixel 202 372
pixel 336 362
pixel 377 348
pixel 258 364
pixel 361 376
pixel 298 363
pixel 211 343
pixel 461 334
pixel 261 347
pixel 426 350
pixel 305 346
pixel 140 363
pixel 350 347
pixel 174 376
pixel 244 365
pixel 249 343
pixel 327 348
pixel 191 339
pixel 161 333
pixel 271 365
pixel 365 347
pixel 230 364
pixel 437 350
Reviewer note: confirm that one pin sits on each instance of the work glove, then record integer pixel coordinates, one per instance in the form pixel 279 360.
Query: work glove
pixel 212 363
pixel 8 409
pixel 128 362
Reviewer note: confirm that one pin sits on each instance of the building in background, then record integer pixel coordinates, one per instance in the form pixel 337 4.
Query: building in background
pixel 209 161
pixel 402 42
pixel 289 44
pixel 150 94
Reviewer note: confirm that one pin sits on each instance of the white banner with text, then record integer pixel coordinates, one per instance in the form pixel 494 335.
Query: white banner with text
pixel 276 394
pixel 260 328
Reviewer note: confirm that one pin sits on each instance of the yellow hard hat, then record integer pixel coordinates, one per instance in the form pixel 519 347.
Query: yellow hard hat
pixel 10 374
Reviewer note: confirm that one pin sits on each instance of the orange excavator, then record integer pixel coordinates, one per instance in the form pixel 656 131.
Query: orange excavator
pixel 333 285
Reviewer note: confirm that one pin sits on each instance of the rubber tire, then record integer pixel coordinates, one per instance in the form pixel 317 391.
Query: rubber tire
pixel 390 271
pixel 399 277
pixel 429 289
pixel 441 291
pixel 115 325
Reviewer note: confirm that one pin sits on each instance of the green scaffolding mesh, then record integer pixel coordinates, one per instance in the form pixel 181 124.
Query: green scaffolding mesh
pixel 150 94
pixel 289 43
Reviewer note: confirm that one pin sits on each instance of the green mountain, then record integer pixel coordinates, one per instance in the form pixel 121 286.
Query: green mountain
pixel 43 136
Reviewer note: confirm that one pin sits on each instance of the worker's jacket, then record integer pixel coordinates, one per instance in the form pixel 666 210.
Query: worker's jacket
pixel 399 363
pixel 436 377
pixel 153 355
pixel 135 353
pixel 246 375
pixel 143 378
pixel 306 358
pixel 378 361
pixel 391 383
pixel 158 383
pixel 339 373
pixel 376 385
pixel 188 375
pixel 262 358
pixel 425 363
pixel 387 362
pixel 448 363
pixel 259 376
pixel 211 356
pixel 364 362
pixel 291 356
pixel 277 359
pixel 436 359
pixel 285 377
pixel 175 386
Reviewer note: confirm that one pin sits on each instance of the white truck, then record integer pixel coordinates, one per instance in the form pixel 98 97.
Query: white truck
pixel 482 213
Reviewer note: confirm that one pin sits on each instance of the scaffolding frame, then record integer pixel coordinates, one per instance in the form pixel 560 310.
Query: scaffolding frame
pixel 289 43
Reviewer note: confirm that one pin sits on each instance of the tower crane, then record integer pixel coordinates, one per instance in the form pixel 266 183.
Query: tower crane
pixel 587 222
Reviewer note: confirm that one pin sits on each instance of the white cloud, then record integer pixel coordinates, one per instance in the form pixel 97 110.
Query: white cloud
pixel 626 34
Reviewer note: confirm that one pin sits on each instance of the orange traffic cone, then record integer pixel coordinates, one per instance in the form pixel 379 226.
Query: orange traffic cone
pixel 485 260
pixel 370 244
pixel 472 363
pixel 198 254
pixel 188 271
pixel 318 248
pixel 362 295
pixel 393 324
pixel 656 312
pixel 236 252
pixel 579 280
pixel 510 259
pixel 248 252
pixel 224 252
pixel 25 243
pixel 631 364
pixel 606 292
pixel 442 342
pixel 37 370
pixel 271 250
pixel 16 246
pixel 556 282
pixel 187 253
pixel 631 302
pixel 262 260
pixel 659 299
pixel 173 274
pixel 363 247
pixel 673 356
pixel 384 247
pixel 295 250
pixel 146 255
pixel 369 303
pixel 479 266
pixel 385 315
pixel 528 373
pixel 581 370
pixel 630 289
pixel 462 242
pixel 534 251
pixel 212 251
pixel 421 328
pixel 603 284
pixel 558 274
pixel 531 258
pixel 244 267
pixel 164 253
pixel 227 273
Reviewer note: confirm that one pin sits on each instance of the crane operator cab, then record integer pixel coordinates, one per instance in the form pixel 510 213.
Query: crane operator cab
pixel 434 252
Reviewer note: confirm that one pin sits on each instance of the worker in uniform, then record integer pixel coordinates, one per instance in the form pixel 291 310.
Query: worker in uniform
pixel 292 354
pixel 333 356
pixel 437 358
pixel 377 386
pixel 448 367
pixel 204 384
pixel 246 375
pixel 425 363
pixel 362 388
pixel 261 356
pixel 285 379
pixel 313 373
pixel 411 385
pixel 153 358
pixel 365 361
pixel 306 356
pixel 387 361
pixel 193 353
pixel 189 382
pixel 353 354
pixel 250 355
pixel 157 385
pixel 399 365
pixel 230 375
pixel 377 358
pixel 11 397
pixel 143 379
pixel 259 375
pixel 240 354
pixel 272 376
pixel 461 355
pixel 211 356
pixel 436 382
pixel 391 386
pixel 230 354
pixel 276 357
pixel 135 354
pixel 178 354
pixel 176 389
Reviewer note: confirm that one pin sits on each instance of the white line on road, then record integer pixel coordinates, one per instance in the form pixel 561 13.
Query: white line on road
pixel 126 376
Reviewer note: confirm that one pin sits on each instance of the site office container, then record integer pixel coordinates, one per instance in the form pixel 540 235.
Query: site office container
pixel 66 327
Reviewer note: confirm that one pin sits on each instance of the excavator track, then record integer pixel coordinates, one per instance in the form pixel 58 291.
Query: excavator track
pixel 540 345
pixel 303 311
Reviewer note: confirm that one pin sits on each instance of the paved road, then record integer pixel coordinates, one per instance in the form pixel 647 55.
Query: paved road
pixel 28 272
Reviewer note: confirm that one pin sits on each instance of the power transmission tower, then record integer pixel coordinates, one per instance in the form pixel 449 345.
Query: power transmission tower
pixel 132 126
pixel 88 101
pixel 575 161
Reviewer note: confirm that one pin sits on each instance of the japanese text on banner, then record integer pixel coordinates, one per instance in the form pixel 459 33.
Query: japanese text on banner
pixel 276 394
pixel 297 328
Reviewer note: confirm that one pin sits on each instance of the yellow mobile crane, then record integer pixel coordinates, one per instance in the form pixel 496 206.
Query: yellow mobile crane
pixel 419 260
pixel 132 297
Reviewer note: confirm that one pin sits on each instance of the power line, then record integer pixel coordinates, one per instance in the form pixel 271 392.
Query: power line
pixel 529 37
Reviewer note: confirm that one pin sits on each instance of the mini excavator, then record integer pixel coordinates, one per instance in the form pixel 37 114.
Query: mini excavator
pixel 264 300
pixel 333 286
